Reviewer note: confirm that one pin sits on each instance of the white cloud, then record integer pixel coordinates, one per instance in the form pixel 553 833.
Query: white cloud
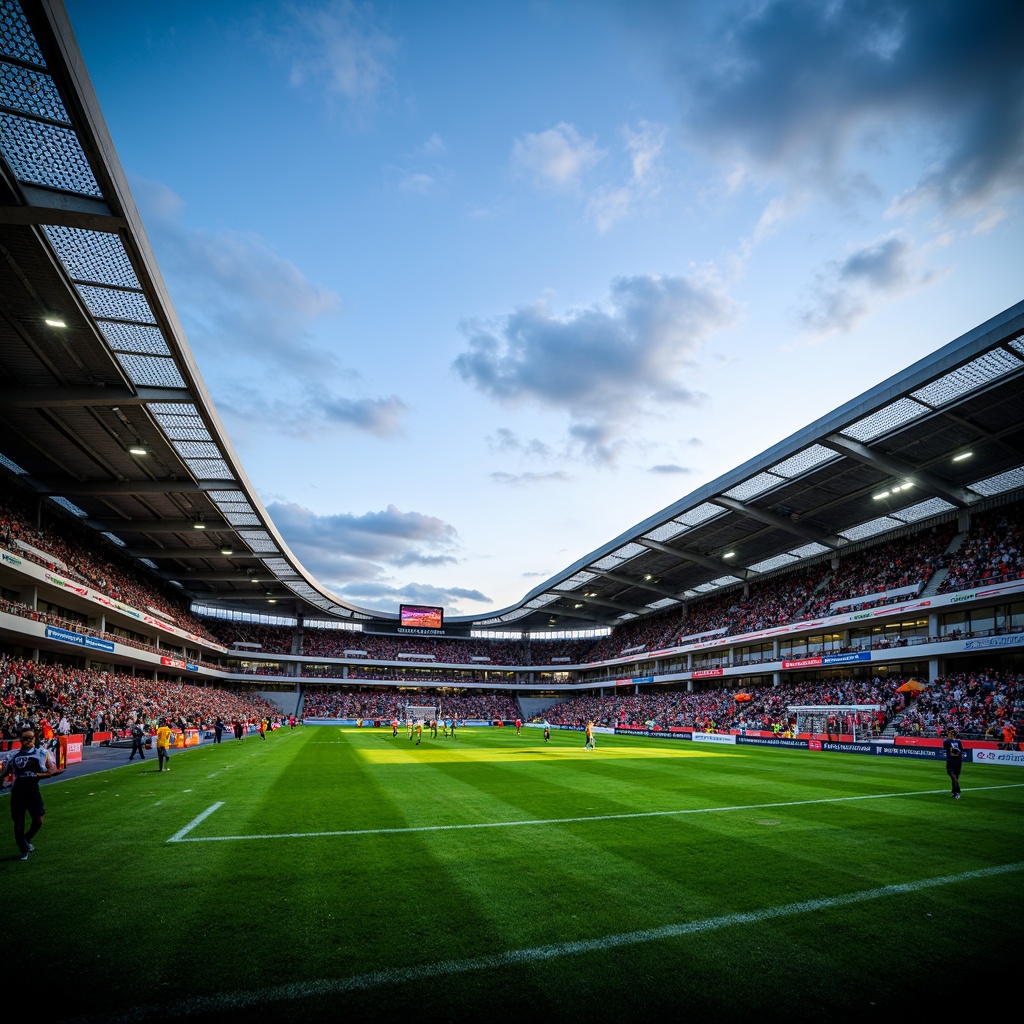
pixel 557 157
pixel 804 90
pixel 521 479
pixel 341 48
pixel 848 289
pixel 601 365
pixel 250 316
pixel 610 204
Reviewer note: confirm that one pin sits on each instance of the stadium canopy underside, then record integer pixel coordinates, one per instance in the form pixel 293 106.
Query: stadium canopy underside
pixel 103 409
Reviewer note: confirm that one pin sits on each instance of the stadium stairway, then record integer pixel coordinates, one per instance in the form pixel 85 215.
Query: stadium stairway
pixel 800 613
pixel 932 587
pixel 532 706
pixel 889 732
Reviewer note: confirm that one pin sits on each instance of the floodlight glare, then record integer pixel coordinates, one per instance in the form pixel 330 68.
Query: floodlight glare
pixel 729 554
pixel 962 456
pixel 881 495
pixel 137 449
pixel 199 526
pixel 53 320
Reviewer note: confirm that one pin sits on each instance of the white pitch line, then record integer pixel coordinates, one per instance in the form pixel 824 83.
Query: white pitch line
pixel 230 1001
pixel 180 836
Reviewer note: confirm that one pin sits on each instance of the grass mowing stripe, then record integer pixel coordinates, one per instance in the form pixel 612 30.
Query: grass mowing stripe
pixel 230 1001
pixel 197 820
pixel 183 837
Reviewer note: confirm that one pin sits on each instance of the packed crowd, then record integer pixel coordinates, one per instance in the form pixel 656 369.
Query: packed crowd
pixel 385 706
pixel 992 553
pixel 80 554
pixel 978 705
pixel 333 643
pixel 718 709
pixel 271 639
pixel 893 565
pixel 90 701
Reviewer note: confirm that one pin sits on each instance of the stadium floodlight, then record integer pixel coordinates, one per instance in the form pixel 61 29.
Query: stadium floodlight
pixel 962 456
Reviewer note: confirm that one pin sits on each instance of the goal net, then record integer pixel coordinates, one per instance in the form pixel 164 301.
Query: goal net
pixel 422 713
pixel 848 719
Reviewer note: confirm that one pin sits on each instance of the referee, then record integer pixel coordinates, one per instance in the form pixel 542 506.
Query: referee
pixel 954 749
pixel 29 763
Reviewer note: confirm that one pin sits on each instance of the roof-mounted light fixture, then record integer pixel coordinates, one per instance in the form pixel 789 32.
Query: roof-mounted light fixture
pixel 54 320
pixel 962 456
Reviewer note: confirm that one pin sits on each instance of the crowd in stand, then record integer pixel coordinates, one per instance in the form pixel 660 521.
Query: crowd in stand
pixel 993 553
pixel 91 701
pixel 271 639
pixel 333 643
pixel 80 554
pixel 893 565
pixel 385 706
pixel 979 705
pixel 716 710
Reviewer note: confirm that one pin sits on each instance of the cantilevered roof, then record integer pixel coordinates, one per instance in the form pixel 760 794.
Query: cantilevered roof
pixel 945 434
pixel 103 409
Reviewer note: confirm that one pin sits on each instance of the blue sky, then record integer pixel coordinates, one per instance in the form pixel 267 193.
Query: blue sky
pixel 476 287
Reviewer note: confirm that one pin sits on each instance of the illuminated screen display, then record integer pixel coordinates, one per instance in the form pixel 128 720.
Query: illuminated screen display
pixel 417 616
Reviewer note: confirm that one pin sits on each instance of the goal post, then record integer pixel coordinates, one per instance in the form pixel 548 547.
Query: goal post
pixel 422 713
pixel 850 718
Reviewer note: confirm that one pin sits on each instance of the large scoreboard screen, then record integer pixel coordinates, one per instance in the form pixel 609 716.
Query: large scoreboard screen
pixel 418 616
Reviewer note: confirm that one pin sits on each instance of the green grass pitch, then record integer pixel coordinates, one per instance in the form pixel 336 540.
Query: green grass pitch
pixel 321 873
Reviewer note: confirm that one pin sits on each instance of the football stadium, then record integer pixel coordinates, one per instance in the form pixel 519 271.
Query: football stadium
pixel 710 768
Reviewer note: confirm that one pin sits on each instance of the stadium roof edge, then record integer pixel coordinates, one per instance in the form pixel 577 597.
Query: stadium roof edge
pixel 955 353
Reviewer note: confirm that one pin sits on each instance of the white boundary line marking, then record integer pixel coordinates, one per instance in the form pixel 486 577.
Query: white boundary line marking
pixel 182 837
pixel 518 957
pixel 179 836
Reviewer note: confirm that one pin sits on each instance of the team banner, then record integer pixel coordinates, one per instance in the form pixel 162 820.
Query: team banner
pixel 715 737
pixel 802 663
pixel 843 748
pixel 68 636
pixel 1012 640
pixel 928 753
pixel 654 734
pixel 846 659
pixel 773 741
pixel 1014 757
pixel 702 673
